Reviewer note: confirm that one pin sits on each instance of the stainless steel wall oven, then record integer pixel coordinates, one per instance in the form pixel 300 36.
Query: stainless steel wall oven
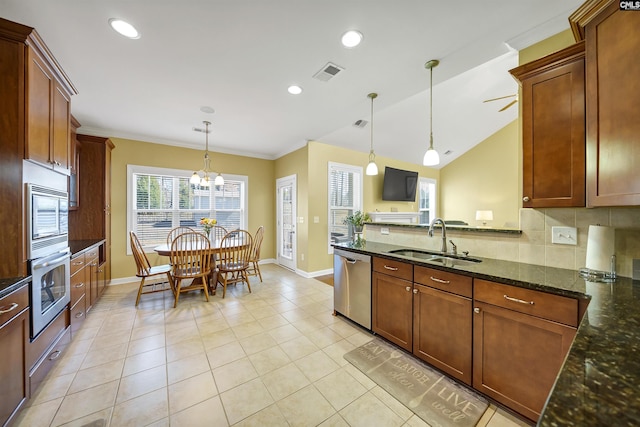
pixel 48 253
pixel 50 288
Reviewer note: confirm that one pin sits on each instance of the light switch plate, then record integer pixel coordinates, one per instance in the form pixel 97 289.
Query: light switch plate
pixel 564 235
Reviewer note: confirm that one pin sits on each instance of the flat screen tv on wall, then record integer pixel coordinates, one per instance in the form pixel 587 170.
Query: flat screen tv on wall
pixel 399 185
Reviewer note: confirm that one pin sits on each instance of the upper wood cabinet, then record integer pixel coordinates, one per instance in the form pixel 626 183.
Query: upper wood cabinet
pixel 34 112
pixel 553 129
pixel 48 108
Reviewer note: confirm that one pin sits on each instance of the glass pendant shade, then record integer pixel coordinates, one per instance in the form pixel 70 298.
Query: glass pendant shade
pixel 195 178
pixel 431 158
pixel 219 180
pixel 372 168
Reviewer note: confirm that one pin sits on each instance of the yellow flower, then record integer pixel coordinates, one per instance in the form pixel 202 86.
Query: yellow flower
pixel 207 223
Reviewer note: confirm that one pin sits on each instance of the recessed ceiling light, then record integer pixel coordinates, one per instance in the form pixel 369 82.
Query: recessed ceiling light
pixel 124 28
pixel 208 110
pixel 351 38
pixel 294 90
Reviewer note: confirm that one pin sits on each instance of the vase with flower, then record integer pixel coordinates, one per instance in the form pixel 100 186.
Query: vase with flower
pixel 207 224
pixel 356 221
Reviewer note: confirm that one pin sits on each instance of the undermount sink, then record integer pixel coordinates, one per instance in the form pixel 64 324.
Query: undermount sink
pixel 444 259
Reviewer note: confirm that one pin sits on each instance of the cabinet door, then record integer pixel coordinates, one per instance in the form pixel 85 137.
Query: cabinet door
pixel 392 309
pixel 61 128
pixel 13 387
pixel 40 90
pixel 553 129
pixel 516 357
pixel 613 95
pixel 442 331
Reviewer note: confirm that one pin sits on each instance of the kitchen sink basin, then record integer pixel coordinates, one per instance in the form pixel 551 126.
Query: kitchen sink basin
pixel 444 259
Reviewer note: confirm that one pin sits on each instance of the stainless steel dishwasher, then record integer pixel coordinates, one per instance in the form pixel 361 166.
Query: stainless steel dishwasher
pixel 352 286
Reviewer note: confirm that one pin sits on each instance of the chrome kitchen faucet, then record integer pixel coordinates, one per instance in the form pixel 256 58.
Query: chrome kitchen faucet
pixel 444 233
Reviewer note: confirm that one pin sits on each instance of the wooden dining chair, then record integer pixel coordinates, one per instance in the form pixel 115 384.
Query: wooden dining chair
pixel 145 270
pixel 190 260
pixel 234 251
pixel 175 232
pixel 217 233
pixel 254 256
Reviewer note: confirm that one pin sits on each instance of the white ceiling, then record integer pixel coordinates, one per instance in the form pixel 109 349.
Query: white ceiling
pixel 239 57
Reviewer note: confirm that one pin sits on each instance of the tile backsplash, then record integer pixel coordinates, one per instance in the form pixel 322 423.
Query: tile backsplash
pixel 534 245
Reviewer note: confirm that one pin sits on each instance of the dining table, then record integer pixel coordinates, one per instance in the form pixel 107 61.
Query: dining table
pixel 215 249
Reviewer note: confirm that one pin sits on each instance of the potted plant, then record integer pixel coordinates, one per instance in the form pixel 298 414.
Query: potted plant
pixel 357 220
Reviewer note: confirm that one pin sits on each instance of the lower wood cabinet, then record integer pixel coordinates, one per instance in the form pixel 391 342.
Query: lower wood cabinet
pixel 442 321
pixel 517 355
pixel 14 336
pixel 392 311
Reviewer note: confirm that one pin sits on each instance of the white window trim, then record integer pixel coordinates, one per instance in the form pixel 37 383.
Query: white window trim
pixel 152 170
pixel 358 201
pixel 433 201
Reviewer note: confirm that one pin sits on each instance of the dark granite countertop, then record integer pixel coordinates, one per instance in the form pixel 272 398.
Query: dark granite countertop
pixel 11 284
pixel 78 246
pixel 598 383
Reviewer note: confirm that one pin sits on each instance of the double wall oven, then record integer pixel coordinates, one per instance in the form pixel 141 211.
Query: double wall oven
pixel 48 253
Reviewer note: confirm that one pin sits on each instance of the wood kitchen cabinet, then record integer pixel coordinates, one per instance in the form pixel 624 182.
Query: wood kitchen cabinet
pixel 14 336
pixel 92 218
pixel 520 340
pixel 553 129
pixel 79 281
pixel 612 38
pixel 442 325
pixel 392 310
pixel 34 111
pixel 48 112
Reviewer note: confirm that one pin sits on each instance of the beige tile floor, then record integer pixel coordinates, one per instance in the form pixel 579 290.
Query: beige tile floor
pixel 273 357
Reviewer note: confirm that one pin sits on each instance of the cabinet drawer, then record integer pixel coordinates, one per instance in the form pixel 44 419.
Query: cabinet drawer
pixel 91 253
pixel 541 304
pixel 448 282
pixel 40 371
pixel 77 263
pixel 393 268
pixel 78 314
pixel 13 304
pixel 78 285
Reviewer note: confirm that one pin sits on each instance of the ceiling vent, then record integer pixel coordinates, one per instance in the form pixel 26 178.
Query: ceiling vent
pixel 360 123
pixel 328 72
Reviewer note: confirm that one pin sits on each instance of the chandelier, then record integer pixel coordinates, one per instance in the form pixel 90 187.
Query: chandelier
pixel 201 177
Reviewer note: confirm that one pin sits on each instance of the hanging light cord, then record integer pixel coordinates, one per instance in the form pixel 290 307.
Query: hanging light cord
pixel 431 109
pixel 372 156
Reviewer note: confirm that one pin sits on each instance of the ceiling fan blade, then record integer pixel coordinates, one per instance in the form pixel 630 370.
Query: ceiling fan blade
pixel 502 97
pixel 508 105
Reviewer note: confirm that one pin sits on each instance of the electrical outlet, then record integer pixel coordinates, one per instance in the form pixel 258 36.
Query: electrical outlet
pixel 564 235
pixel 316 219
pixel 384 230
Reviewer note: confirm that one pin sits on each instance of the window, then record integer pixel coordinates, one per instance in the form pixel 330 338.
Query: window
pixel 427 197
pixel 160 199
pixel 345 197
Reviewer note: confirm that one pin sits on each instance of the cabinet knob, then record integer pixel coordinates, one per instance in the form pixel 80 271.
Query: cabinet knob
pixel 408 288
pixel 415 291
pixel 476 310
pixel 525 199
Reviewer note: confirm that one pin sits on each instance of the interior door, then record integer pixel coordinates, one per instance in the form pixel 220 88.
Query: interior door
pixel 286 218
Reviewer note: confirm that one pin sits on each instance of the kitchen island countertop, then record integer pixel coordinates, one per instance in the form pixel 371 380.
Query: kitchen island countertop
pixel 598 383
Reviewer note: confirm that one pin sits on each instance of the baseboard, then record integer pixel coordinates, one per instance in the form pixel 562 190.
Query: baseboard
pixel 313 274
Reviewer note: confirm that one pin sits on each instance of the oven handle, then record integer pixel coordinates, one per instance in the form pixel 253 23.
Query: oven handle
pixel 50 262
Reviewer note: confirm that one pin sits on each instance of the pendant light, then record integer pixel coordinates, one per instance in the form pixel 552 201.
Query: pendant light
pixel 372 168
pixel 201 177
pixel 431 157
